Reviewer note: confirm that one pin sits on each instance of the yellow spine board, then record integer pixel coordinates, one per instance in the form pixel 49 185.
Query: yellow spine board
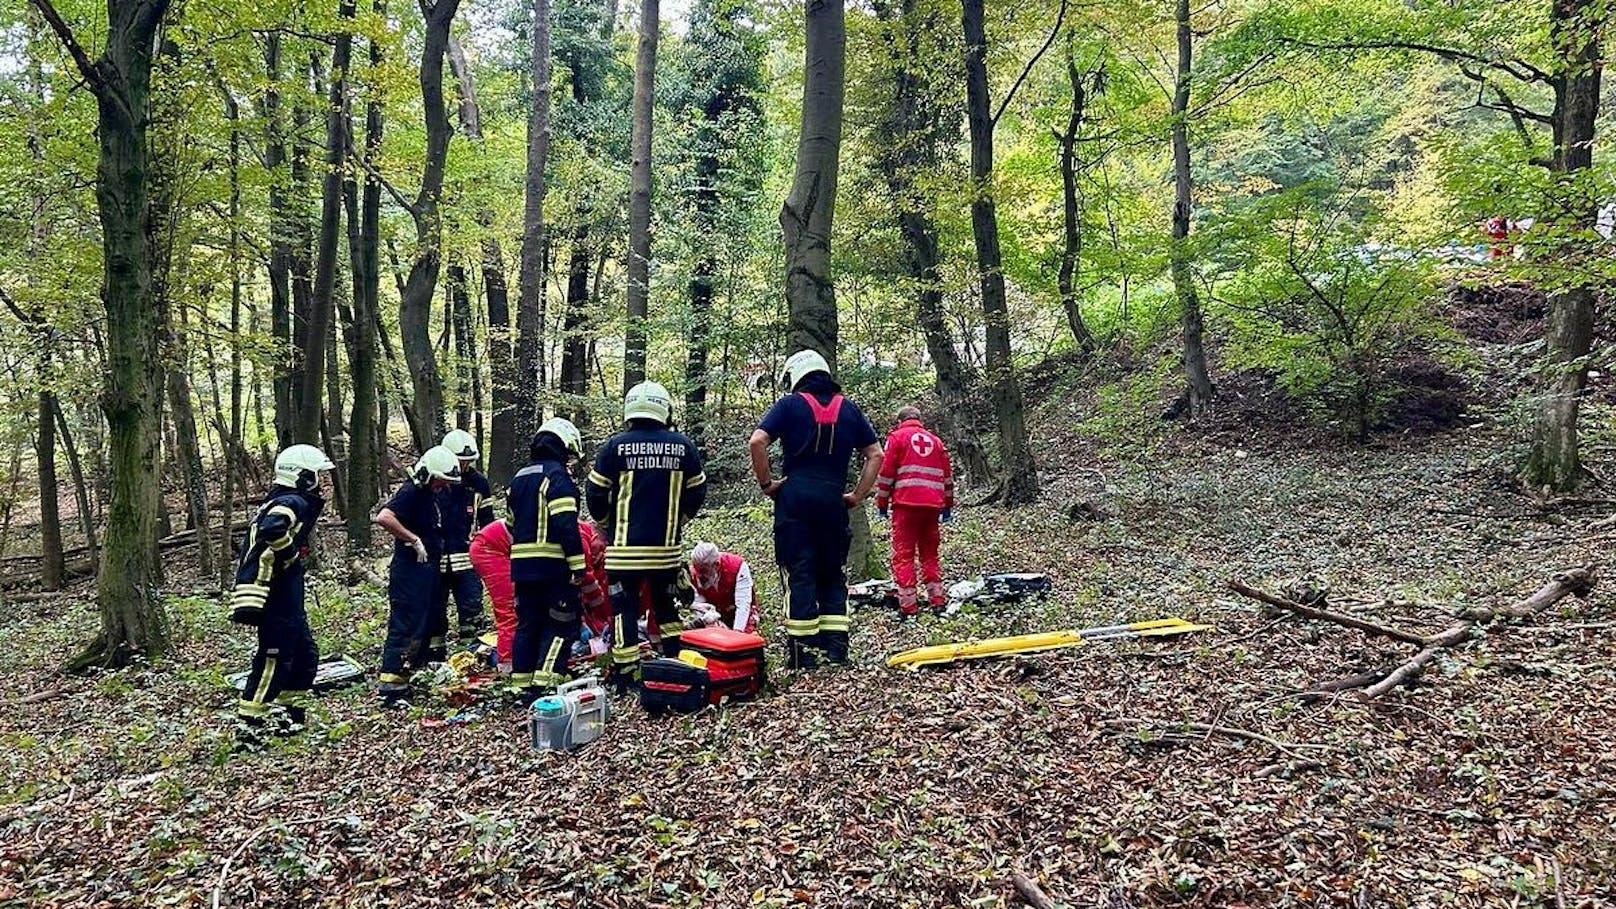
pixel 1035 643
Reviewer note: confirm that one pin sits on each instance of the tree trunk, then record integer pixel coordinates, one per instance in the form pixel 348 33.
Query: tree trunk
pixel 364 250
pixel 910 138
pixel 805 217
pixel 1072 209
pixel 575 327
pixel 311 408
pixel 639 198
pixel 233 460
pixel 50 511
pixel 1020 475
pixel 415 308
pixel 502 448
pixel 696 376
pixel 530 378
pixel 1198 390
pixel 1554 461
pixel 280 237
pixel 81 489
pixel 465 362
pixel 186 436
pixel 132 618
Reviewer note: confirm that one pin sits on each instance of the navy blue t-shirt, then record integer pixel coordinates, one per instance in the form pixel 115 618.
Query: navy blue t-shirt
pixel 417 509
pixel 813 450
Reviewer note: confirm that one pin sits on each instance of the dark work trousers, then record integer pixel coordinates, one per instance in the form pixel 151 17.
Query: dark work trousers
pixel 811 537
pixel 548 616
pixel 467 590
pixel 283 667
pixel 659 593
pixel 415 591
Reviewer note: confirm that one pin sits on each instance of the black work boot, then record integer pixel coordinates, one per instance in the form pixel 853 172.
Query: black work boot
pixel 250 733
pixel 835 647
pixel 799 656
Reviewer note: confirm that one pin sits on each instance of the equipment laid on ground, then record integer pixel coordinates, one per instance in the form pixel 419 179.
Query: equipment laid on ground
pixel 1033 643
pixel 670 685
pixel 1007 587
pixel 550 722
pixel 735 664
pixel 332 674
pixel 993 589
pixel 875 594
pixel 586 701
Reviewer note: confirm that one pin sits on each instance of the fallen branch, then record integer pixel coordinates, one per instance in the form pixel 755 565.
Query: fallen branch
pixel 1324 615
pixel 224 873
pixel 1351 683
pixel 1030 892
pixel 1412 669
pixel 1575 582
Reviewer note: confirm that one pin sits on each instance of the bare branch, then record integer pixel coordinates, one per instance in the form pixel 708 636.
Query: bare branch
pixel 1060 19
pixel 392 190
pixel 74 49
pixel 1517 69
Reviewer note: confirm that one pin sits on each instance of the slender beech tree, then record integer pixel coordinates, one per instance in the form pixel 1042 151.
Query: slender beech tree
pixel 415 305
pixel 1019 480
pixel 1085 85
pixel 916 122
pixel 639 197
pixel 1198 389
pixel 805 217
pixel 132 618
pixel 364 252
pixel 311 409
pixel 530 373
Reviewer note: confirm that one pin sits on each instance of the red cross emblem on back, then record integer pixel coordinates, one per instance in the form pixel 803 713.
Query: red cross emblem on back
pixel 922 444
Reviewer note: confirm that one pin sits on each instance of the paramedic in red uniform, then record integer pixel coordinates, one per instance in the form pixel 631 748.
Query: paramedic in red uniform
pixel 819 431
pixel 725 593
pixel 917 481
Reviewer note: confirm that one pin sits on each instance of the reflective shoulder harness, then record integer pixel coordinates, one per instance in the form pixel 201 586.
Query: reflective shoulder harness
pixel 824 415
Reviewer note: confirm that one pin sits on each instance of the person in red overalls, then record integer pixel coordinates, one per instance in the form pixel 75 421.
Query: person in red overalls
pixel 1497 230
pixel 491 558
pixel 917 481
pixel 725 593
pixel 597 606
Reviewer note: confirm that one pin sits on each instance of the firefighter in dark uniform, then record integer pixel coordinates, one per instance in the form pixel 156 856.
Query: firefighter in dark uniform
pixel 417 624
pixel 646 483
pixel 465 509
pixel 547 560
pixel 819 431
pixel 269 595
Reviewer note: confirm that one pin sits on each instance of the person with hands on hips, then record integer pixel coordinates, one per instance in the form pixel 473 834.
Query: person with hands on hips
pixel 819 431
pixel 417 597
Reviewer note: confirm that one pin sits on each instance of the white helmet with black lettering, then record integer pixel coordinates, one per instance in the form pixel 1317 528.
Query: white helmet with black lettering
pixel 802 364
pixel 437 464
pixel 299 466
pixel 462 444
pixel 648 401
pixel 563 429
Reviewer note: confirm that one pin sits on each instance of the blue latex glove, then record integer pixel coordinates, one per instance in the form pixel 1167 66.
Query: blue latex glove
pixel 584 634
pixel 883 513
pixel 947 517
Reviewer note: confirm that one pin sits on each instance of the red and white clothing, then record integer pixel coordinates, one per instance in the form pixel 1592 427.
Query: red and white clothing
pixel 730 591
pixel 491 558
pixel 597 607
pixel 916 470
pixel 917 483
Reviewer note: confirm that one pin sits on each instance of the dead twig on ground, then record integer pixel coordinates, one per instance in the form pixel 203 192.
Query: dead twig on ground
pixel 1324 615
pixel 1030 892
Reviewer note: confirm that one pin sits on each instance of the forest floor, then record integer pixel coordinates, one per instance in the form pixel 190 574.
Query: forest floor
pixel 1490 783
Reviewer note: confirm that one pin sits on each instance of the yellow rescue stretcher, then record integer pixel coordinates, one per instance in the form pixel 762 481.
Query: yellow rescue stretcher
pixel 1033 643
